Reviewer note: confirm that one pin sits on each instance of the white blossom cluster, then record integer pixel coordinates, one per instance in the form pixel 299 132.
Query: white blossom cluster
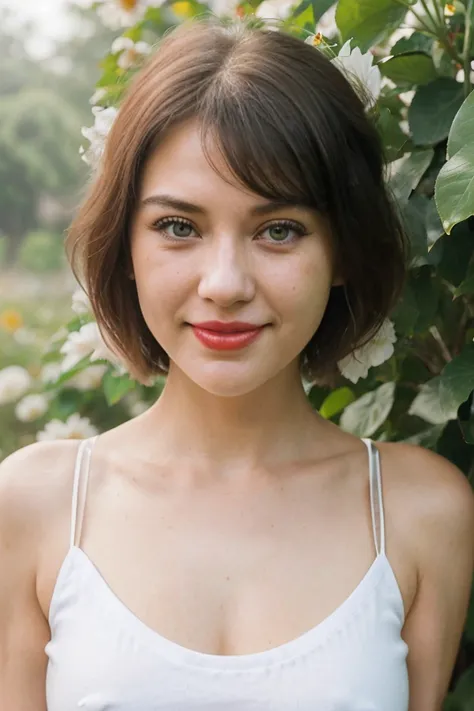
pixel 117 14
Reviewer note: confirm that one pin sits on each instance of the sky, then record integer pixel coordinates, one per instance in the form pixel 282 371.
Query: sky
pixel 49 15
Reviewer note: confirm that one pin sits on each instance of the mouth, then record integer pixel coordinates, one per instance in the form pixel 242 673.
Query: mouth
pixel 226 340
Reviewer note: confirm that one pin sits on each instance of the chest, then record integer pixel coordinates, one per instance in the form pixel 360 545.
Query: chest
pixel 223 572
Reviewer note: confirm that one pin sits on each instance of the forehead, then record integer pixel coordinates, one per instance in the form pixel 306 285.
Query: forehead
pixel 178 163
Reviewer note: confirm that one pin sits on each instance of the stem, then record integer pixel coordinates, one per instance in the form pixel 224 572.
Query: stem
pixel 428 13
pixel 438 31
pixel 467 49
pixel 442 345
pixel 439 13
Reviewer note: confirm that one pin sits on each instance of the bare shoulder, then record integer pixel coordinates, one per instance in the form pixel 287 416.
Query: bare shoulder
pixel 436 502
pixel 434 488
pixel 35 484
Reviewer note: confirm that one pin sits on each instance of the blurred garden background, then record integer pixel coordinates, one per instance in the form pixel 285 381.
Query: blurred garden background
pixel 64 67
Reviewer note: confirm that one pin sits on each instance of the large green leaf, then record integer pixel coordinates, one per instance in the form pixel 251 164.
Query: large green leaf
pixel 417 42
pixel 392 135
pixel 364 416
pixel 406 172
pixel 410 68
pixel 368 21
pixel 457 379
pixel 429 406
pixel 433 109
pixel 454 189
pixel 462 129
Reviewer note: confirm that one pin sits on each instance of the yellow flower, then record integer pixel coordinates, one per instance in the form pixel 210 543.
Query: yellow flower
pixel 11 320
pixel 128 5
pixel 449 9
pixel 182 8
pixel 317 39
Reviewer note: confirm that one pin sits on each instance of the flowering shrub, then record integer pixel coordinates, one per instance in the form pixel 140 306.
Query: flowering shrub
pixel 415 380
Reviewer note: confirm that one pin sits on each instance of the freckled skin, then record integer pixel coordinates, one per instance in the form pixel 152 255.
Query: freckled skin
pixel 230 268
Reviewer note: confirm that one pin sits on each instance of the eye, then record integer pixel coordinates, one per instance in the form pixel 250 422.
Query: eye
pixel 181 228
pixel 278 231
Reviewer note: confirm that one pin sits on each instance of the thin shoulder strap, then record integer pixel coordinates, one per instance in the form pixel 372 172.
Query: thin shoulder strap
pixel 82 464
pixel 376 502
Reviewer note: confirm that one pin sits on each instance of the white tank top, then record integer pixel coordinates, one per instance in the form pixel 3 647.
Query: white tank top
pixel 102 657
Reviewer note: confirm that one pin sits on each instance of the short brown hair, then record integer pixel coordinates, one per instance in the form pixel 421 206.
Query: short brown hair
pixel 290 126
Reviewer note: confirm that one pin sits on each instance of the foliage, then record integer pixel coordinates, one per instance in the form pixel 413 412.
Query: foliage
pixel 41 251
pixel 425 113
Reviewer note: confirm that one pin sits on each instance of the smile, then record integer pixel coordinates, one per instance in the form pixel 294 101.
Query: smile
pixel 222 341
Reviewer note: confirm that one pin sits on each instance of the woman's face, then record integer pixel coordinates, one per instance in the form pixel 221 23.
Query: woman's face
pixel 231 257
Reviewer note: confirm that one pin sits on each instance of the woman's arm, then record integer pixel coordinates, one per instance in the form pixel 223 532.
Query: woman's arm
pixel 443 545
pixel 24 631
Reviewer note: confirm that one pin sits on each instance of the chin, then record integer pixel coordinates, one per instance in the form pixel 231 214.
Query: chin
pixel 229 379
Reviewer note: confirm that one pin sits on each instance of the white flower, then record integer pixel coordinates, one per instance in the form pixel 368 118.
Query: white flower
pixel 88 379
pixel 61 333
pixel 98 95
pixel 137 408
pixel 31 407
pixel 129 50
pixel 223 8
pixel 379 349
pixel 76 427
pixel 326 26
pixel 25 336
pixel 50 372
pixel 116 14
pixel 97 134
pixel 274 9
pixel 86 341
pixel 80 302
pixel 14 382
pixel 359 66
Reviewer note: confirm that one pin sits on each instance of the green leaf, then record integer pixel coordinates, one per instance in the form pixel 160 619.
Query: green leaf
pixel 426 438
pixel 414 216
pixel 457 379
pixel 467 285
pixel 364 416
pixel 454 189
pixel 410 68
pixel 417 42
pixel 452 254
pixel 462 129
pixel 406 172
pixel 336 401
pixel 434 228
pixel 368 21
pixel 392 135
pixel 428 404
pixel 433 109
pixel 464 692
pixel 319 8
pixel 116 387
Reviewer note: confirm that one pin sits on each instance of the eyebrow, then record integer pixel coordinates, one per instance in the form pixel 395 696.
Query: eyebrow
pixel 170 201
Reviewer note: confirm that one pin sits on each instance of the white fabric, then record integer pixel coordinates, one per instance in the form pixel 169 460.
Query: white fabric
pixel 101 657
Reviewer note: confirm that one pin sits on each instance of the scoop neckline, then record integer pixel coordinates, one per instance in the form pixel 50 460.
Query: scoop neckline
pixel 287 652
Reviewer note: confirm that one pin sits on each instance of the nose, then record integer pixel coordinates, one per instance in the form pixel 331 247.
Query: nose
pixel 226 275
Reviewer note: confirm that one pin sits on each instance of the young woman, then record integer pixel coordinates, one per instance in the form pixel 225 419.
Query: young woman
pixel 229 549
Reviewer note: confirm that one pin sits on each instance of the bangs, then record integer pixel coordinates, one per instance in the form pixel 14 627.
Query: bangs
pixel 272 153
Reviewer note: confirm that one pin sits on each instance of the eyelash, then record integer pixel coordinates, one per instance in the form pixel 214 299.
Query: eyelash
pixel 164 222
